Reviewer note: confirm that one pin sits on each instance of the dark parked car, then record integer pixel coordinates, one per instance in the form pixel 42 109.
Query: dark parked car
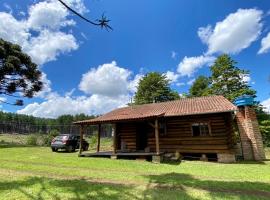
pixel 68 142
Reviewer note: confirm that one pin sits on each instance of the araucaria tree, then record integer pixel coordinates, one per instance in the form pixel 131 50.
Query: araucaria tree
pixel 19 76
pixel 154 87
pixel 226 79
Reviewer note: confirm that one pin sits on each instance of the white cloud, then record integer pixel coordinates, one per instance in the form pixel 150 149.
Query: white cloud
pixel 40 34
pixel 265 44
pixel 7 6
pixel 189 65
pixel 190 82
pixel 204 33
pixel 46 90
pixel 48 14
pixel 109 80
pixel 171 76
pixel 21 13
pixel 132 85
pixel 108 86
pixel 235 33
pixel 173 54
pixel 84 36
pixel 180 84
pixel 13 30
pixel 48 45
pixel 2 99
pixel 266 105
pixel 60 105
pixel 245 78
pixel 77 5
pixel 69 93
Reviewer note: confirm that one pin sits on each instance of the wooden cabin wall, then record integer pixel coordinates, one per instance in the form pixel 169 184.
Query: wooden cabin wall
pixel 126 132
pixel 179 134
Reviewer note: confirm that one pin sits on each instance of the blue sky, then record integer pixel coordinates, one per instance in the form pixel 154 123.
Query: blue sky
pixel 90 70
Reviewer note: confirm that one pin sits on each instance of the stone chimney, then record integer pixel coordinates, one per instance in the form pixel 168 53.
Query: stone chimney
pixel 251 138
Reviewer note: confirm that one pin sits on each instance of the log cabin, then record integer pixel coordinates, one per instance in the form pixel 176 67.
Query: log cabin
pixel 201 126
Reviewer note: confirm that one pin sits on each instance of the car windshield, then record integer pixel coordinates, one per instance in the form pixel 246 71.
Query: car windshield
pixel 62 137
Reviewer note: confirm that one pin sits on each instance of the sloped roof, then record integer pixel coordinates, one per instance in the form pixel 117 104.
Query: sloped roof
pixel 185 106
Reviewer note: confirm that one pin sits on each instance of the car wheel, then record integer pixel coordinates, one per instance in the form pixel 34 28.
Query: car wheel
pixel 54 149
pixel 86 147
pixel 73 149
pixel 69 148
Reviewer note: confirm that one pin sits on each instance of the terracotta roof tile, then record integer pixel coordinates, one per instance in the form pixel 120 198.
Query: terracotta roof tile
pixel 186 106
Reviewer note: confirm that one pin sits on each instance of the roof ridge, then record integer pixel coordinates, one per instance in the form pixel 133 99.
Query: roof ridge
pixel 181 99
pixel 180 107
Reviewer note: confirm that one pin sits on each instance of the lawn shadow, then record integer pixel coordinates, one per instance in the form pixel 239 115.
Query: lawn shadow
pixel 75 189
pixel 215 188
pixel 250 162
pixel 163 186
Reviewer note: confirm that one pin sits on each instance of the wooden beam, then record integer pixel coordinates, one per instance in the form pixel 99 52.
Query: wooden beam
pixel 81 138
pixel 114 138
pixel 98 137
pixel 157 136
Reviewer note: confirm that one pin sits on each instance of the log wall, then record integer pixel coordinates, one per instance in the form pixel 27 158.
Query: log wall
pixel 179 137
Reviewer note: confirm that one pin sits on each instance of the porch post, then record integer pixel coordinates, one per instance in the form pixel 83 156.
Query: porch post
pixel 98 138
pixel 114 138
pixel 157 136
pixel 81 138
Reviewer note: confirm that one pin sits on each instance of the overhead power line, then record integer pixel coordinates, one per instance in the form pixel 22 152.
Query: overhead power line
pixel 103 22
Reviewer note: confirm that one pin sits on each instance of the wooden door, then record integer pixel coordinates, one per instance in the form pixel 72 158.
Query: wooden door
pixel 141 136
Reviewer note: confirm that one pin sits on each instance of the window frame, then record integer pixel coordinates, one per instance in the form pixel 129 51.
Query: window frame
pixel 162 125
pixel 208 123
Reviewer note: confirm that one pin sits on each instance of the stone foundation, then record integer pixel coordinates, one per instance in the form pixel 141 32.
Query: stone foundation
pixel 203 158
pixel 157 159
pixel 226 158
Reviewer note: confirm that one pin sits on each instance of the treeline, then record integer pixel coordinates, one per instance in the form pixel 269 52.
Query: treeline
pixel 25 124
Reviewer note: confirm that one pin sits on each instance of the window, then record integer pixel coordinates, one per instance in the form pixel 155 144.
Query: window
pixel 162 128
pixel 200 129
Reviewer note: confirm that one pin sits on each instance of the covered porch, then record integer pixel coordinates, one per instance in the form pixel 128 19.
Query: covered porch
pixel 139 140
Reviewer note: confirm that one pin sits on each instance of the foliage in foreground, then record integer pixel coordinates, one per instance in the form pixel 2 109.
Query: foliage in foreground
pixel 18 74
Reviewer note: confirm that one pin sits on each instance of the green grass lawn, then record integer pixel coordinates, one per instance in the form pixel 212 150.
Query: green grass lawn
pixel 37 173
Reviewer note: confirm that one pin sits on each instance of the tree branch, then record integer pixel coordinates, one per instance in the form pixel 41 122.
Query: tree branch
pixel 103 22
pixel 17 103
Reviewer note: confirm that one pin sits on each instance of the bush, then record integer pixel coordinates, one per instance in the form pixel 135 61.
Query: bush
pixel 46 140
pixel 32 140
pixel 265 131
pixel 93 140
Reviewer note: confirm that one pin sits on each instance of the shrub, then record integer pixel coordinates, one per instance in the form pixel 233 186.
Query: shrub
pixel 93 140
pixel 32 140
pixel 265 130
pixel 48 138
